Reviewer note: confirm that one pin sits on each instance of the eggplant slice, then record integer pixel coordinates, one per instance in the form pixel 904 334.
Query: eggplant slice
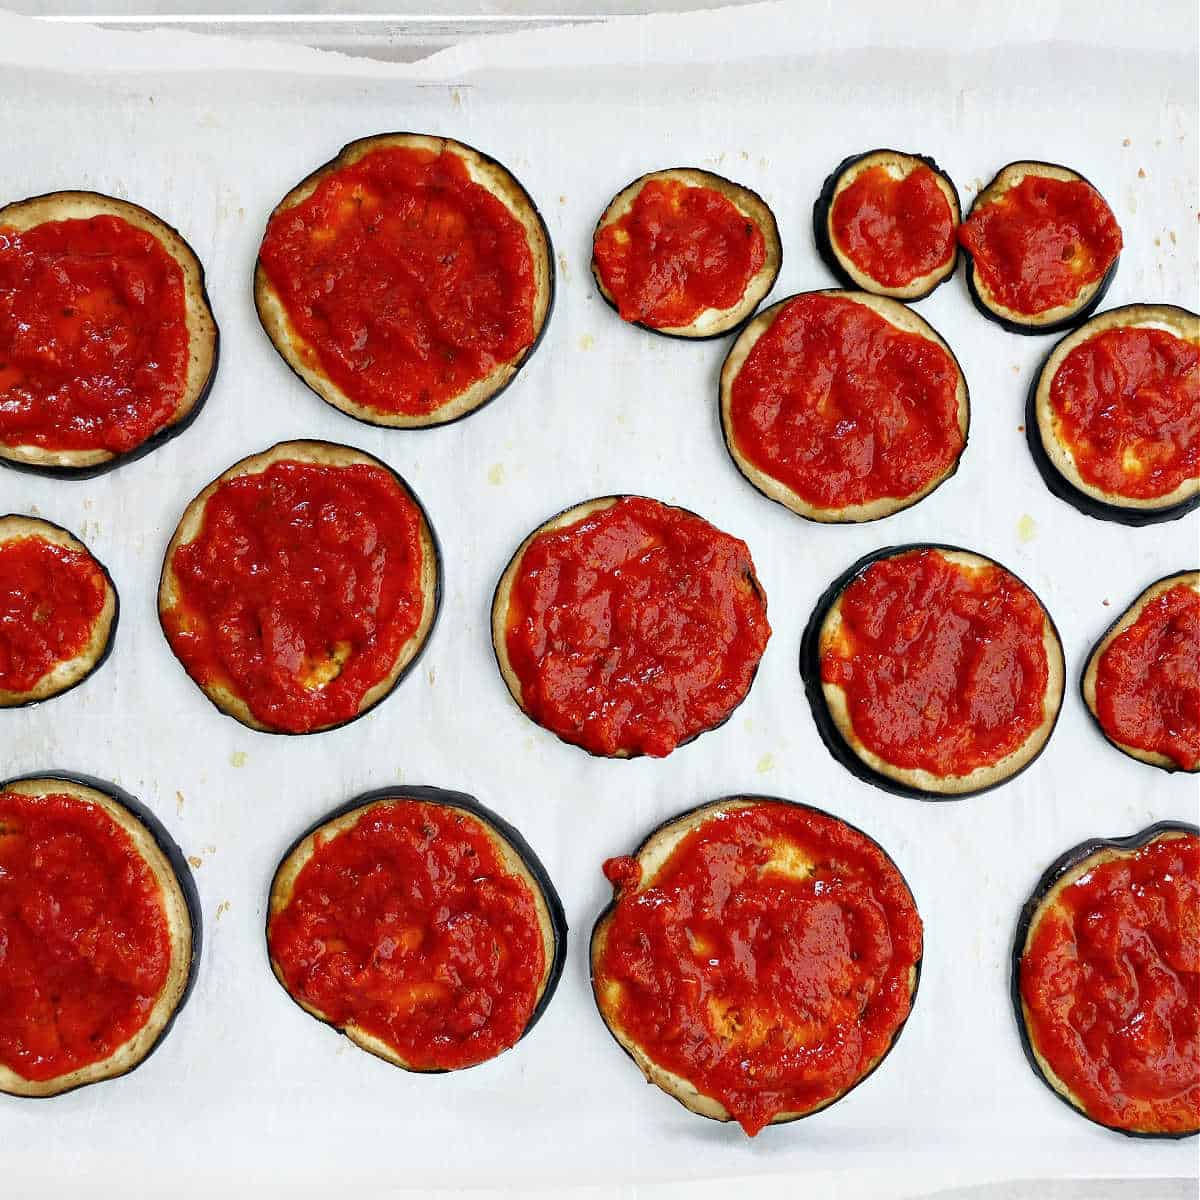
pixel 896 314
pixel 1063 871
pixel 513 850
pixel 487 173
pixel 1053 320
pixel 832 716
pixel 1087 682
pixel 712 323
pixel 203 335
pixel 900 165
pixel 1053 458
pixel 180 902
pixel 67 673
pixel 329 454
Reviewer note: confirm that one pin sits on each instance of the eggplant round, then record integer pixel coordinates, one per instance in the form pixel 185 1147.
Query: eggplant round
pixel 1054 320
pixel 489 174
pixel 68 673
pixel 1063 870
pixel 1087 681
pixel 1053 458
pixel 512 848
pixel 836 731
pixel 191 523
pixel 897 315
pixel 181 903
pixel 900 165
pixel 203 335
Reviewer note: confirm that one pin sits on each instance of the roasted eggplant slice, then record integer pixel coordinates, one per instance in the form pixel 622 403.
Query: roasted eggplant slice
pixel 58 611
pixel 686 253
pixel 108 345
pixel 1113 416
pixel 419 924
pixel 627 626
pixel 815 385
pixel 100 924
pixel 1142 679
pixel 1042 247
pixel 301 586
pixel 955 692
pixel 1104 980
pixel 886 222
pixel 751 942
pixel 407 281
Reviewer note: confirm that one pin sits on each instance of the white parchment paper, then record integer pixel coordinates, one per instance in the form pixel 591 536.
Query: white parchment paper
pixel 210 134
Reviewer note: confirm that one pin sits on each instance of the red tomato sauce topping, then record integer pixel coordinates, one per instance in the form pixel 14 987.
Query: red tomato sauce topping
pixel 410 926
pixel 85 949
pixel 50 598
pixel 300 590
pixel 1126 404
pixel 943 667
pixel 844 408
pixel 770 962
pixel 1111 984
pixel 1148 679
pixel 1040 243
pixel 408 281
pixel 677 252
pixel 93 335
pixel 894 230
pixel 635 628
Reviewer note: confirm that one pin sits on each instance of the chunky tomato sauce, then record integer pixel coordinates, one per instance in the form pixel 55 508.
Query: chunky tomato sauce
pixel 894 230
pixel 408 281
pixel 1126 404
pixel 677 252
pixel 1148 679
pixel 50 599
pixel 636 628
pixel 943 668
pixel 300 590
pixel 1040 243
pixel 1110 979
pixel 844 408
pixel 411 927
pixel 770 962
pixel 93 335
pixel 84 944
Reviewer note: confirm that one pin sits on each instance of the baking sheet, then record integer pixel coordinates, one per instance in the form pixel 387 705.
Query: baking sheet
pixel 210 134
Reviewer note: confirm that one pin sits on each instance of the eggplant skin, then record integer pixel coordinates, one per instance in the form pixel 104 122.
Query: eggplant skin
pixel 1061 866
pixel 674 1086
pixel 113 621
pixel 831 736
pixel 502 831
pixel 177 863
pixel 200 321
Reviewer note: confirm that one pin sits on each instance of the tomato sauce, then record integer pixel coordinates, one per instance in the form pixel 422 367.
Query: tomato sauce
pixel 408 281
pixel 50 599
pixel 1148 679
pixel 410 926
pixel 84 944
pixel 635 628
pixel 844 408
pixel 1040 243
pixel 1126 404
pixel 894 230
pixel 943 668
pixel 1111 984
pixel 676 253
pixel 770 962
pixel 93 335
pixel 300 590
